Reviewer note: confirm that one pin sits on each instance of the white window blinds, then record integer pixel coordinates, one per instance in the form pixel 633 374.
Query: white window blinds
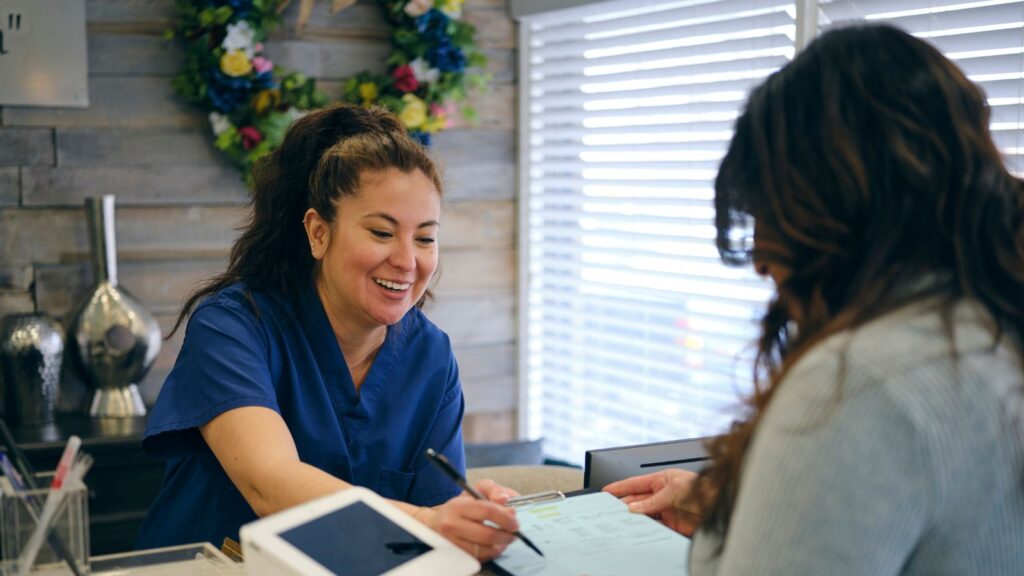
pixel 634 330
pixel 984 38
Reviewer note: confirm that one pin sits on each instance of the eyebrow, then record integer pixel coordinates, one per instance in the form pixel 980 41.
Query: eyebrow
pixel 394 220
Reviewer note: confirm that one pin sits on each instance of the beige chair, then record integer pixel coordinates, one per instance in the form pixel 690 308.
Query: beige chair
pixel 529 479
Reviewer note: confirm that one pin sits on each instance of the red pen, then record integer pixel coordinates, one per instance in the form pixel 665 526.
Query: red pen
pixel 70 451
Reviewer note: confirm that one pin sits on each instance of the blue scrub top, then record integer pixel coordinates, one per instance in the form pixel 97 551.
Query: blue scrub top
pixel 285 357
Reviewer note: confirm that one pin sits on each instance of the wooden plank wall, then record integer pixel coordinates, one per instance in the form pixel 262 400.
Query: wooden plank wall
pixel 179 201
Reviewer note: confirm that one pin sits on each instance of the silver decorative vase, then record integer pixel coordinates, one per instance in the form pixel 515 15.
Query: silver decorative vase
pixel 31 352
pixel 113 338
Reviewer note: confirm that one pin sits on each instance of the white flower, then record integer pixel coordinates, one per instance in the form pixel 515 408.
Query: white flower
pixel 418 7
pixel 240 36
pixel 219 123
pixel 423 71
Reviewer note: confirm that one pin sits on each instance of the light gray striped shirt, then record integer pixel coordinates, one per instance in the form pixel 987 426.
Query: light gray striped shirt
pixel 915 467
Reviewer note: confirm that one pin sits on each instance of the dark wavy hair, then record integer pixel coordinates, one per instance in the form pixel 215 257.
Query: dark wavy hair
pixel 866 164
pixel 321 159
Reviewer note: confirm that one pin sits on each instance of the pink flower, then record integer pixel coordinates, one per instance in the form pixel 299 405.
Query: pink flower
pixel 405 79
pixel 258 47
pixel 439 110
pixel 251 136
pixel 443 112
pixel 261 64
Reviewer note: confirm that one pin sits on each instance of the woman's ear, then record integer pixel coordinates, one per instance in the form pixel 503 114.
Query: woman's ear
pixel 318 232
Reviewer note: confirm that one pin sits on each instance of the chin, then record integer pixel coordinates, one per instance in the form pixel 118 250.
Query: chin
pixel 391 317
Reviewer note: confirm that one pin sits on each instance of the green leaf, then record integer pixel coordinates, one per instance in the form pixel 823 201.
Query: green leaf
pixel 228 138
pixel 207 17
pixel 461 33
pixel 476 60
pixel 222 15
pixel 273 127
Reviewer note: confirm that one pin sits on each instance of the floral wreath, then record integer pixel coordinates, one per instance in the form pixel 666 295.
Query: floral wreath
pixel 251 101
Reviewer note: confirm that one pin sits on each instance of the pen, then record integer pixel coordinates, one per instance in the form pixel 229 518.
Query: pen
pixel 446 467
pixel 67 473
pixel 28 480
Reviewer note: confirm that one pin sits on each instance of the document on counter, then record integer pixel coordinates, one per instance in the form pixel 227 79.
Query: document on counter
pixel 593 535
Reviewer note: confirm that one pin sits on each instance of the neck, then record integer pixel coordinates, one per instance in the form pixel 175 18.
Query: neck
pixel 359 343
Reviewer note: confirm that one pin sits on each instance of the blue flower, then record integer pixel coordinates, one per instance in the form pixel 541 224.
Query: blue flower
pixel 446 57
pixel 264 81
pixel 235 5
pixel 239 8
pixel 421 137
pixel 227 93
pixel 433 25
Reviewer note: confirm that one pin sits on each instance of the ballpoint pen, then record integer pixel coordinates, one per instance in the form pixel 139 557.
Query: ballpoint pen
pixel 28 479
pixel 446 467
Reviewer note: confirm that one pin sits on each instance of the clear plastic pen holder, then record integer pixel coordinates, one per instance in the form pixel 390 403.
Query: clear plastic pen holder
pixel 18 520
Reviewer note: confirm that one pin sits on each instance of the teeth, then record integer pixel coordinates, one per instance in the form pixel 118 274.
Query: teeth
pixel 392 285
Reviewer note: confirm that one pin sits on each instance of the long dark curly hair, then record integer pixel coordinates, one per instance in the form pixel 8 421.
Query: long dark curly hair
pixel 865 164
pixel 321 159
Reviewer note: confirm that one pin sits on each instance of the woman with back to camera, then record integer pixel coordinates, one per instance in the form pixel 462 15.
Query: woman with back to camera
pixel 885 434
pixel 307 366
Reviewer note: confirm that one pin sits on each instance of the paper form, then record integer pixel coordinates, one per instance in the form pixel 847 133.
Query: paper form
pixel 593 535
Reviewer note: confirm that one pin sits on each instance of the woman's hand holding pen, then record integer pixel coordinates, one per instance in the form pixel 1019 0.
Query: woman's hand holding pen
pixel 657 494
pixel 495 492
pixel 464 520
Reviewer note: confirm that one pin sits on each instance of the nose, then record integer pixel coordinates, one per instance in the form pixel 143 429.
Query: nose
pixel 403 256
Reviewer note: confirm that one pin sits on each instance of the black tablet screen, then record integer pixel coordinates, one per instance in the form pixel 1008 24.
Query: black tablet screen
pixel 355 541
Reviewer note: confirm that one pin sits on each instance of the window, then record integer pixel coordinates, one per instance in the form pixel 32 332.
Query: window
pixel 984 38
pixel 633 331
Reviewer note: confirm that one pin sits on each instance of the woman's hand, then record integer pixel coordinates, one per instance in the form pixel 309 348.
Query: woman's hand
pixel 495 492
pixel 481 528
pixel 656 494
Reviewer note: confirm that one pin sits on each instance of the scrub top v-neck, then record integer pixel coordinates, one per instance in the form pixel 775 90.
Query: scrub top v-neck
pixel 285 357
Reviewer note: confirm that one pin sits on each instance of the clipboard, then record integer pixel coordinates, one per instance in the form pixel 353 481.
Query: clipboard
pixel 545 496
pixel 590 532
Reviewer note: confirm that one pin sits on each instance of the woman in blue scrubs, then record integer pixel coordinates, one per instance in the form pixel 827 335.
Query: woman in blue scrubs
pixel 308 367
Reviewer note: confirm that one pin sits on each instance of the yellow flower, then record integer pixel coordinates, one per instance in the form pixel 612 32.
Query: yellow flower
pixel 235 63
pixel 452 8
pixel 265 100
pixel 414 113
pixel 434 124
pixel 368 92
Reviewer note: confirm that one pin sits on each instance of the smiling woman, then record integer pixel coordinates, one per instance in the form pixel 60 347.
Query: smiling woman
pixel 375 261
pixel 307 367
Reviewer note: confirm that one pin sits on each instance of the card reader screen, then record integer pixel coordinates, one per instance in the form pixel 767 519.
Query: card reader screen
pixel 355 541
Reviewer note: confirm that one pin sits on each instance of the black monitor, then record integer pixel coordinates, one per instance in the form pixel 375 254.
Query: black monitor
pixel 610 464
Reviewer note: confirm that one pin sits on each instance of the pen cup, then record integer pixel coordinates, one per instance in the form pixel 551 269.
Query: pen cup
pixel 19 515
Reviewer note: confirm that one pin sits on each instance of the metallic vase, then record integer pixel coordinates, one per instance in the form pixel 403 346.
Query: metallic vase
pixel 31 352
pixel 113 338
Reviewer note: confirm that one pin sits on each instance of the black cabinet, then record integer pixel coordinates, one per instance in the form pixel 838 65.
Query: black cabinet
pixel 122 482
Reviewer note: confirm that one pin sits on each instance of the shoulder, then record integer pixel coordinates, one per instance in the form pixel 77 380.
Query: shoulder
pixel 420 330
pixel 905 341
pixel 904 369
pixel 241 301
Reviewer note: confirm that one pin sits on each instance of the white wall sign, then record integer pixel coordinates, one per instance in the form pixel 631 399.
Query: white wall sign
pixel 43 58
